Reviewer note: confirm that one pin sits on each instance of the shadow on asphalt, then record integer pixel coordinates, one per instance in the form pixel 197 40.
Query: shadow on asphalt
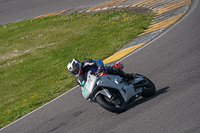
pixel 143 100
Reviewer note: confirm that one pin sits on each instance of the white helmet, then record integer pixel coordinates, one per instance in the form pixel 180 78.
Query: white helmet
pixel 74 67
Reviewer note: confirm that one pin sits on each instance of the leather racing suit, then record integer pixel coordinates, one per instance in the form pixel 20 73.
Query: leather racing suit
pixel 97 66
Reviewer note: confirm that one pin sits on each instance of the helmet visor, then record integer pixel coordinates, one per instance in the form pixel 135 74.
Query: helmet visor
pixel 75 71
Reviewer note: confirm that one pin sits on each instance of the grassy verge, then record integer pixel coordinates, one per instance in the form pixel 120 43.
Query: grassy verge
pixel 34 54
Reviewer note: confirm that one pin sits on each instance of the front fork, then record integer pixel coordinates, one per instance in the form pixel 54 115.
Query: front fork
pixel 104 92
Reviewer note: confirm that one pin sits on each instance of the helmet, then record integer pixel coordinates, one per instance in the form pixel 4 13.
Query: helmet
pixel 74 67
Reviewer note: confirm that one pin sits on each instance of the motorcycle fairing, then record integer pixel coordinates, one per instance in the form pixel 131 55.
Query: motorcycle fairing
pixel 115 82
pixel 93 83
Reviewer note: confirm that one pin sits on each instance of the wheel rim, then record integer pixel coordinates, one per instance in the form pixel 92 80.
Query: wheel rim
pixel 115 101
pixel 148 85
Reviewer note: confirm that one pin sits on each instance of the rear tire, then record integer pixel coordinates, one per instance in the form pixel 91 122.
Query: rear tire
pixel 103 101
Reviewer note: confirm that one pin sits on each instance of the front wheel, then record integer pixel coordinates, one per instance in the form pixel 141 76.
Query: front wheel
pixel 114 104
pixel 148 87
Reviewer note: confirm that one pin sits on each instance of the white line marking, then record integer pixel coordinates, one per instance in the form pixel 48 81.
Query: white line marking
pixel 39 107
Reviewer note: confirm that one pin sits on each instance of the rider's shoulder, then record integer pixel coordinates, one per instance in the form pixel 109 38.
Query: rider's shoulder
pixel 87 60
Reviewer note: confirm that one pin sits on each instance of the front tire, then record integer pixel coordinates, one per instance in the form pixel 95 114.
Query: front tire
pixel 149 88
pixel 116 106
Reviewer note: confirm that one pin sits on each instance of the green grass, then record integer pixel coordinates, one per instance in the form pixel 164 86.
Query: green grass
pixel 34 54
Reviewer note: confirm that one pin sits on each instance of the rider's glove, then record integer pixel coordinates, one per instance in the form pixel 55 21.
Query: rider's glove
pixel 100 69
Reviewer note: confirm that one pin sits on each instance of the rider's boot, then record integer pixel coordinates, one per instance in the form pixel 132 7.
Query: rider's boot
pixel 117 71
pixel 126 75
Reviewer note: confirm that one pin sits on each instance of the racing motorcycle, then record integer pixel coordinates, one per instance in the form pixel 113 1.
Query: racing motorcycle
pixel 112 92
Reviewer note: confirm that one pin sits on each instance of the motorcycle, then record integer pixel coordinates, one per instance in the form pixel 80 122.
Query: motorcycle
pixel 112 92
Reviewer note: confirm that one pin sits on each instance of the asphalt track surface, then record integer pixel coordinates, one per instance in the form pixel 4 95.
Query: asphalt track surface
pixel 171 61
pixel 16 10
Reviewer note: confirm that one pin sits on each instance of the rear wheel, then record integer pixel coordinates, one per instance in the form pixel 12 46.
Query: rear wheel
pixel 114 104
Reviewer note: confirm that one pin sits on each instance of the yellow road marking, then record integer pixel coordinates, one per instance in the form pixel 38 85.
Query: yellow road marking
pixel 171 6
pixel 118 55
pixel 107 4
pixel 51 14
pixel 145 3
pixel 162 24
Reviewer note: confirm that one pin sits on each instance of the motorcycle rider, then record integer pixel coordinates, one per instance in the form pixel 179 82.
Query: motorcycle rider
pixel 78 68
